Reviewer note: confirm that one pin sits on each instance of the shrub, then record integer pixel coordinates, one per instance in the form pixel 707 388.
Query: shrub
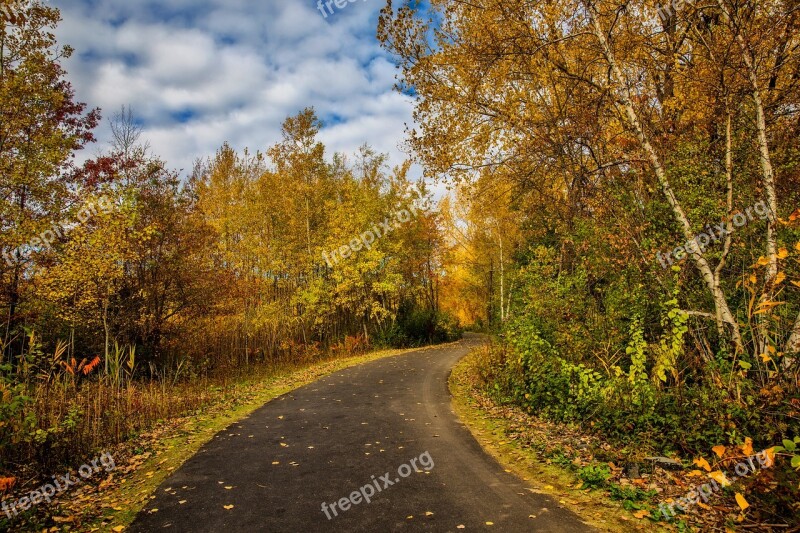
pixel 594 476
pixel 414 327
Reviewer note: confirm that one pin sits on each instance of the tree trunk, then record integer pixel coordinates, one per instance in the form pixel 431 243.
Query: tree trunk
pixel 720 301
pixel 106 331
pixel 767 181
pixel 502 280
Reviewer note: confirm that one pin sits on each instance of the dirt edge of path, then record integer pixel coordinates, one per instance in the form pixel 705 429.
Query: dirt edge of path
pixel 491 430
pixel 142 466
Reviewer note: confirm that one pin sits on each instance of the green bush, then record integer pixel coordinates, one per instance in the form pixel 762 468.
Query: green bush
pixel 16 419
pixel 689 419
pixel 594 476
pixel 415 327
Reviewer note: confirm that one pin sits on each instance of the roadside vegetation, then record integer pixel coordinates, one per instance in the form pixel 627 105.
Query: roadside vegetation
pixel 625 216
pixel 135 295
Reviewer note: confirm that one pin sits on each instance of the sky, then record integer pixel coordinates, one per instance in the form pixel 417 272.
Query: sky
pixel 198 73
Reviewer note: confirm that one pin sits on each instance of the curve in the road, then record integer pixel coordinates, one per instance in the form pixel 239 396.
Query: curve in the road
pixel 382 431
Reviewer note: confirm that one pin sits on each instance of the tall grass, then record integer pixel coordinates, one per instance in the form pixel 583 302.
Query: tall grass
pixel 65 410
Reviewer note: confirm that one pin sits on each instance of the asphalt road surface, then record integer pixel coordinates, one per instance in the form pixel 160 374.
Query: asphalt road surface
pixel 345 439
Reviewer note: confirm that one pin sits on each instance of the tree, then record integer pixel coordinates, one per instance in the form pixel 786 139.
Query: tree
pixel 604 108
pixel 40 129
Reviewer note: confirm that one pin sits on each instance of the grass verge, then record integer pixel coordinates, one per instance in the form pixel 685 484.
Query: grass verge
pixel 113 504
pixel 494 428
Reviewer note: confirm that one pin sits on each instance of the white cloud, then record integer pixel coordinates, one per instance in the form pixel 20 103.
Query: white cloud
pixel 200 73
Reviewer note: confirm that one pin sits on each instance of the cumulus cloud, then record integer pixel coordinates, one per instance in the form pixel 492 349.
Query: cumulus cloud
pixel 202 72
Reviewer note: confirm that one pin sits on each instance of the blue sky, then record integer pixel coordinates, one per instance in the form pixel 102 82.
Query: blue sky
pixel 198 73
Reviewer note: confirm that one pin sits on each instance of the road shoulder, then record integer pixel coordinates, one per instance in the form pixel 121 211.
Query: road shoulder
pixel 147 462
pixel 491 426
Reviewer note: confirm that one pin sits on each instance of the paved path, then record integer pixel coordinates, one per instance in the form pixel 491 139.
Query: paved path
pixel 345 433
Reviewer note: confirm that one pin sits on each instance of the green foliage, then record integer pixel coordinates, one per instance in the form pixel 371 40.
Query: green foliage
pixel 414 327
pixel 792 449
pixel 670 346
pixel 630 493
pixel 594 476
pixel 636 350
pixel 60 436
pixel 16 420
pixel 633 407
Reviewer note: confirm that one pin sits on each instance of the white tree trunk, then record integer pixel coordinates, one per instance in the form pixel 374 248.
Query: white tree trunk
pixel 621 90
pixel 502 279
pixel 767 180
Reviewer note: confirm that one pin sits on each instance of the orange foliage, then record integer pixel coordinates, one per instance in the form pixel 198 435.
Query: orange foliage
pixel 6 483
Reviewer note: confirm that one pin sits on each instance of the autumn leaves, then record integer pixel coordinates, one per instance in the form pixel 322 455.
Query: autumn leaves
pixel 59 484
pixel 368 238
pixel 719 480
pixel 58 230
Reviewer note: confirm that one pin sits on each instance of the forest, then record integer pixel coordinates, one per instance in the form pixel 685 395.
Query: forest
pixel 628 207
pixel 622 219
pixel 130 291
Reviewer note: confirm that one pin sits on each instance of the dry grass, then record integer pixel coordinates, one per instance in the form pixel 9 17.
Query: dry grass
pixel 151 429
